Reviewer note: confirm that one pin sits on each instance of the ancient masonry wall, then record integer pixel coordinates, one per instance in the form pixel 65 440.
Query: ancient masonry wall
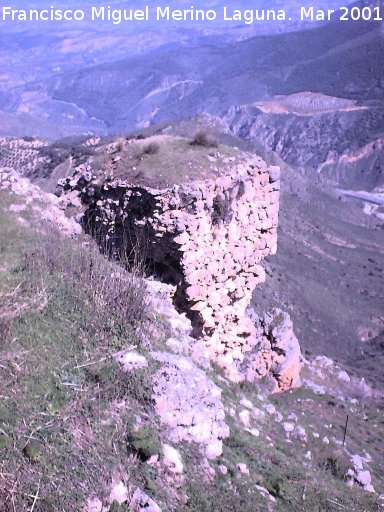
pixel 208 237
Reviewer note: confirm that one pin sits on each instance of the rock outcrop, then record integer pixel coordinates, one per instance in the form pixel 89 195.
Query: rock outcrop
pixel 278 354
pixel 189 404
pixel 187 401
pixel 44 207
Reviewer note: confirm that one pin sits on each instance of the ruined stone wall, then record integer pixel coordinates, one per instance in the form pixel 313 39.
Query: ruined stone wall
pixel 223 227
pixel 207 237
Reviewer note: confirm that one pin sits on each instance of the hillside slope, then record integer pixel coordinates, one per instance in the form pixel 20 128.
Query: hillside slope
pixel 95 417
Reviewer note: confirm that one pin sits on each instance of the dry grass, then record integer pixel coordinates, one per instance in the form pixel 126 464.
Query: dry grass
pixel 5 328
pixel 22 299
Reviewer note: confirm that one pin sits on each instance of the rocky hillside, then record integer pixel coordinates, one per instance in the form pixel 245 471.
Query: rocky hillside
pixel 195 198
pixel 324 238
pixel 342 142
pixel 107 411
pixel 168 201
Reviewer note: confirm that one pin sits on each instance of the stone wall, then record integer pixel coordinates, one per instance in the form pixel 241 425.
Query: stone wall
pixel 206 236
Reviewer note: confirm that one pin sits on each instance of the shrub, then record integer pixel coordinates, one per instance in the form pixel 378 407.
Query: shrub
pixel 113 383
pixel 152 148
pixel 276 485
pixel 202 138
pixel 145 442
pixel 33 451
pixel 335 461
pixel 120 146
pixel 81 153
pixel 116 507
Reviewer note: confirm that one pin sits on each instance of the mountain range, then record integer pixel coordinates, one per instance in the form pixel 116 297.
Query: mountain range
pixel 105 79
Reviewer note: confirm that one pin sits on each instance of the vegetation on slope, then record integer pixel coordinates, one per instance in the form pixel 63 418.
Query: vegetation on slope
pixel 62 315
pixel 67 410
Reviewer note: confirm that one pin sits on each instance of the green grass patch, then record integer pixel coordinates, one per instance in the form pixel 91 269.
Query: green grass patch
pixel 63 313
pixel 161 161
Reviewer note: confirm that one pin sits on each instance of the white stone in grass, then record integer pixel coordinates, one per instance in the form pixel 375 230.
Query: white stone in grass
pixel 288 427
pixel 223 469
pixel 246 403
pixel 363 478
pixel 254 432
pixel 214 449
pixel 172 459
pixel 264 492
pixel 271 409
pixel 300 433
pixel 343 376
pixel 131 360
pixel 357 462
pixel 278 417
pixel 94 504
pixel 258 413
pixel 141 502
pixel 119 493
pixel 16 208
pixel 244 417
pixel 242 467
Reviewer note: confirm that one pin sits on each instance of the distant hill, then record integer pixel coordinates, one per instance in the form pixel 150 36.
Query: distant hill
pixel 345 146
pixel 338 59
pixel 111 82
